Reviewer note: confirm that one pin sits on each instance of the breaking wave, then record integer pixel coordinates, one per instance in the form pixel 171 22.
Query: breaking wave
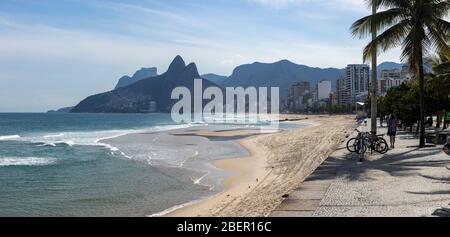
pixel 26 161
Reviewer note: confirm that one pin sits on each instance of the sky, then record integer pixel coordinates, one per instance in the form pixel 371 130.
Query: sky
pixel 54 53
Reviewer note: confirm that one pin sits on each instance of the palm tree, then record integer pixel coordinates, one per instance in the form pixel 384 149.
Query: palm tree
pixel 417 26
pixel 440 64
pixel 373 89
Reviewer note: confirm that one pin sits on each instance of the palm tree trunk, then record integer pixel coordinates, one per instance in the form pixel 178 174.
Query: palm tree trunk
pixel 373 93
pixel 420 76
pixel 439 118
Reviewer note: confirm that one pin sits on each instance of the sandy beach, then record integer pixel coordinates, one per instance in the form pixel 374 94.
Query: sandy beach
pixel 278 163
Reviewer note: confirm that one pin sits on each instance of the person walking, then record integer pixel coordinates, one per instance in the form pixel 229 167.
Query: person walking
pixel 430 121
pixel 381 120
pixel 392 129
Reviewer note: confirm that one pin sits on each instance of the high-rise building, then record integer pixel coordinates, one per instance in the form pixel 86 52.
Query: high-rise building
pixel 355 84
pixel 333 99
pixel 406 73
pixel 298 92
pixel 390 73
pixel 314 97
pixel 300 89
pixel 343 91
pixel 323 90
pixel 393 78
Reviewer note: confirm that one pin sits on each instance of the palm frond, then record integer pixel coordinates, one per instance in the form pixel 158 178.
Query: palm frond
pixel 391 38
pixel 443 68
pixel 442 8
pixel 437 38
pixel 390 3
pixel 415 40
pixel 381 20
pixel 417 25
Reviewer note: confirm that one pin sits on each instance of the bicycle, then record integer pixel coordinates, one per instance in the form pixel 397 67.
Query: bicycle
pixel 366 140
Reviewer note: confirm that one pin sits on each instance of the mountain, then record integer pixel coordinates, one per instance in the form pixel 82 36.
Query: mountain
pixel 281 74
pixel 215 78
pixel 389 66
pixel 62 110
pixel 145 94
pixel 143 73
pixel 149 93
pixel 393 65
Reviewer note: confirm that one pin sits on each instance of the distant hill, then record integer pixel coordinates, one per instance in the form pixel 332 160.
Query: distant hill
pixel 143 73
pixel 145 89
pixel 393 65
pixel 62 110
pixel 138 97
pixel 281 74
pixel 215 78
pixel 389 66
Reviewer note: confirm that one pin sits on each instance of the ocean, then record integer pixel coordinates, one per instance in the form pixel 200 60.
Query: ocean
pixel 104 164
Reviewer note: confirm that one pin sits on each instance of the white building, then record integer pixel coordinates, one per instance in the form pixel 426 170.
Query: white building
pixel 390 73
pixel 393 78
pixel 406 73
pixel 323 90
pixel 355 84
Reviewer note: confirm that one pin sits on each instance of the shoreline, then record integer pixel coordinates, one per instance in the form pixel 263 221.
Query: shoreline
pixel 229 165
pixel 234 185
pixel 209 143
pixel 251 173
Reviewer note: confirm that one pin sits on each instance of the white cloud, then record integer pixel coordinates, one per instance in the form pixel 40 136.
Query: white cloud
pixel 350 5
pixel 227 61
pixel 277 4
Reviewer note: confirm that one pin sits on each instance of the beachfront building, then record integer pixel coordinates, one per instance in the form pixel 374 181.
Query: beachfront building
pixel 314 97
pixel 323 90
pixel 343 92
pixel 333 99
pixel 300 89
pixel 390 73
pixel 393 78
pixel 386 84
pixel 299 92
pixel 354 86
pixel 406 73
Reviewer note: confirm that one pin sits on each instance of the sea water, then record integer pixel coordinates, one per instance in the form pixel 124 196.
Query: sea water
pixel 78 165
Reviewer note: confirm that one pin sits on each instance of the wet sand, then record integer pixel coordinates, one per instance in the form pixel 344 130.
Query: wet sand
pixel 278 163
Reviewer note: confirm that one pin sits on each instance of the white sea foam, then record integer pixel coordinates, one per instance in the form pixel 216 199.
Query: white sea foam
pixel 172 209
pixel 9 137
pixel 47 144
pixel 199 180
pixel 54 135
pixel 125 155
pixel 91 138
pixel 26 161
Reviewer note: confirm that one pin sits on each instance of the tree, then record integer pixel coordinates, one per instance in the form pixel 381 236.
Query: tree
pixel 415 25
pixel 440 82
pixel 440 63
pixel 374 86
pixel 402 100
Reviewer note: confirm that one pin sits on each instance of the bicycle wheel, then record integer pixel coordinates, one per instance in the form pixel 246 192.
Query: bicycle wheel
pixel 382 147
pixel 351 145
pixel 360 149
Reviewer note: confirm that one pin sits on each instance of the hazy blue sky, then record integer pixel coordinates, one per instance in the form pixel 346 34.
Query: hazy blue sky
pixel 54 53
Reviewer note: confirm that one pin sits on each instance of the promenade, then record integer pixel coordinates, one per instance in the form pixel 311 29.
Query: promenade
pixel 405 182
